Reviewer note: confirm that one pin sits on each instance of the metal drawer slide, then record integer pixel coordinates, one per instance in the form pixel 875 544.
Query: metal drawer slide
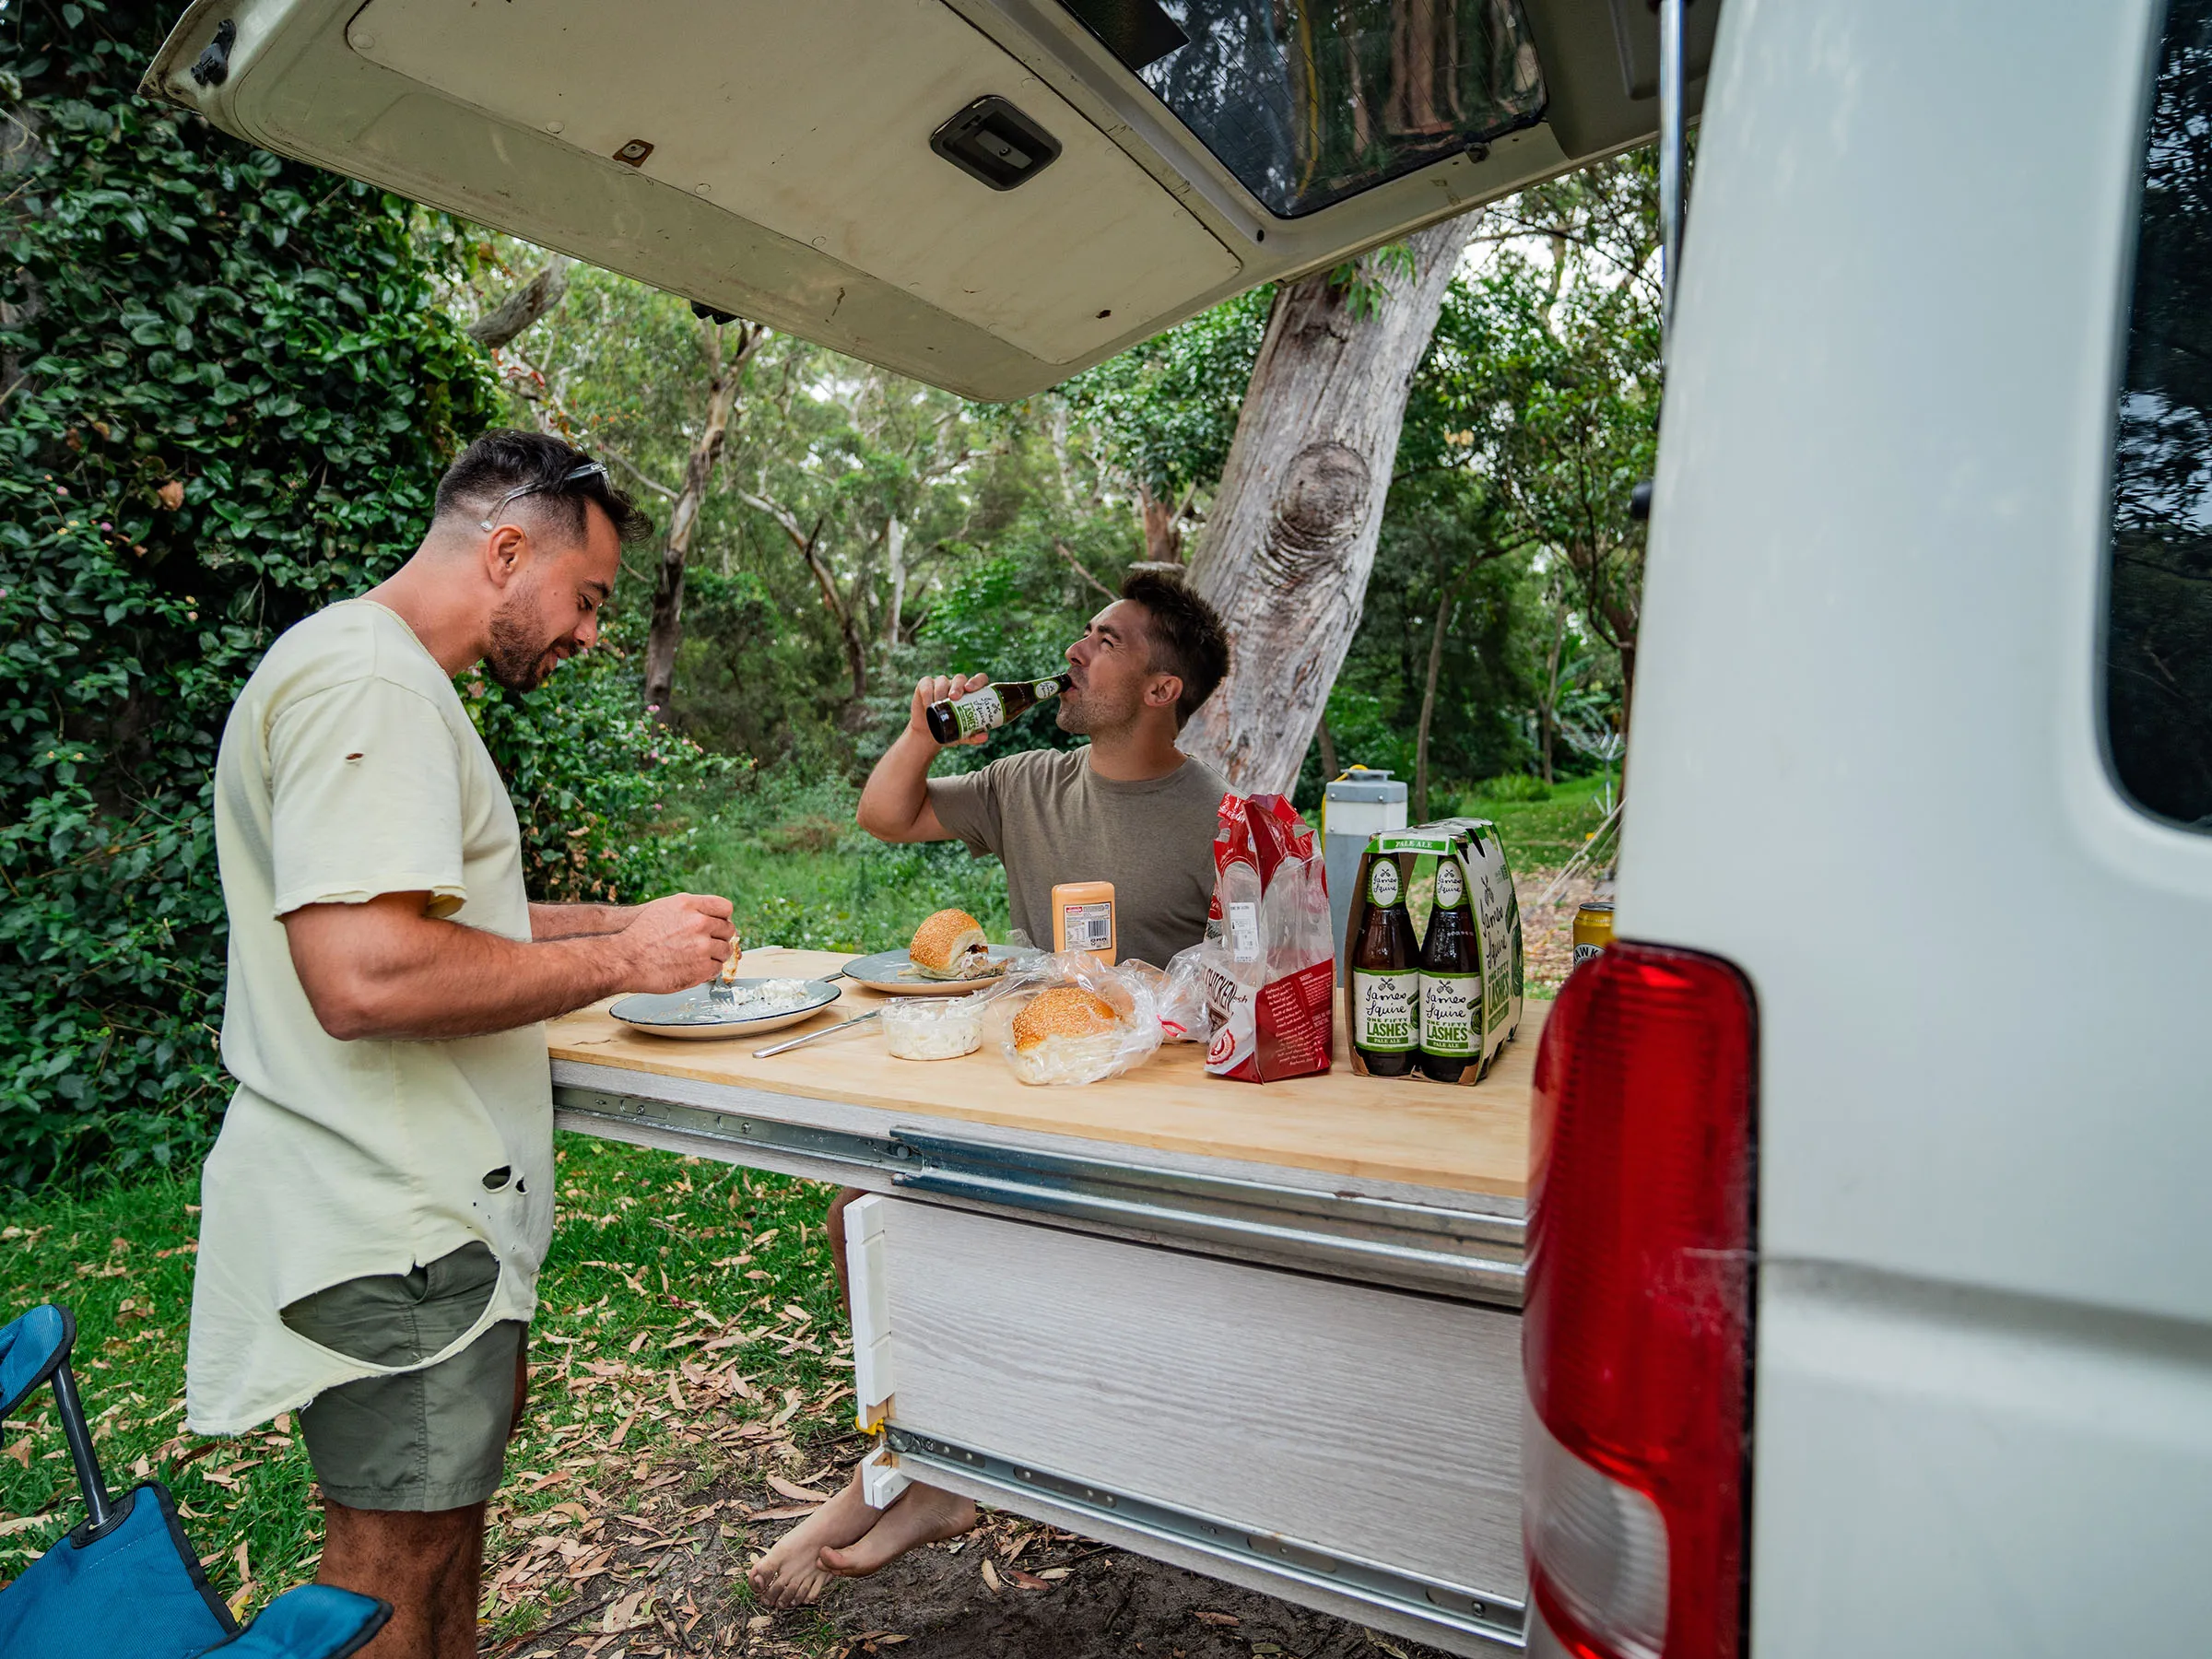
pixel 1387 1588
pixel 1461 1253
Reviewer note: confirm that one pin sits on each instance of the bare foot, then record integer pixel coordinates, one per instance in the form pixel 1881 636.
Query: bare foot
pixel 923 1514
pixel 789 1576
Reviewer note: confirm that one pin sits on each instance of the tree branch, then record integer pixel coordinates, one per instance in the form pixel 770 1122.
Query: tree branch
pixel 1062 548
pixel 633 469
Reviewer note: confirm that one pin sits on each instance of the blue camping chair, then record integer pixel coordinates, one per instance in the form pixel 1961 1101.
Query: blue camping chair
pixel 127 1584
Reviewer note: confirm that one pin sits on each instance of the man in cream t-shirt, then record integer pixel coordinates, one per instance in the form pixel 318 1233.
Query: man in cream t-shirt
pixel 381 1197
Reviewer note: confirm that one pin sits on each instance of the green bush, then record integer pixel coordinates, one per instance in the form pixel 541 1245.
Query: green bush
pixel 228 394
pixel 589 774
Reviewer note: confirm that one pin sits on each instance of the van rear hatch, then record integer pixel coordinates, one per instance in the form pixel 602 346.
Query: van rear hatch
pixel 987 196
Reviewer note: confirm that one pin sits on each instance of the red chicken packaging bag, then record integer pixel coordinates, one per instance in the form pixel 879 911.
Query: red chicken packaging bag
pixel 1270 973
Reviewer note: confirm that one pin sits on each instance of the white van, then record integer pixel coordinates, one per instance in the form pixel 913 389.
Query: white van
pixel 1867 1311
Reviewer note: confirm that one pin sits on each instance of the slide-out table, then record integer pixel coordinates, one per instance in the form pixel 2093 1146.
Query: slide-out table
pixel 1271 1333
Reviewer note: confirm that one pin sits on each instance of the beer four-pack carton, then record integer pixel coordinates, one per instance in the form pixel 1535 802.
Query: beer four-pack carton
pixel 1474 845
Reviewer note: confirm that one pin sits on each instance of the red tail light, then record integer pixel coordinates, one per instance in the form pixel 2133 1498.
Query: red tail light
pixel 1638 1310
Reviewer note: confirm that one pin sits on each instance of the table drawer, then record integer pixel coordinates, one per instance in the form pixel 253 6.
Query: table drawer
pixel 1346 1444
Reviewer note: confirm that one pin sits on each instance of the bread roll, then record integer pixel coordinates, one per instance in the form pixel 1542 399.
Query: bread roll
pixel 1066 1035
pixel 950 944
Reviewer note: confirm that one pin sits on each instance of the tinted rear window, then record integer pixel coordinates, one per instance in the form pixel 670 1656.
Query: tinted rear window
pixel 1308 102
pixel 2158 640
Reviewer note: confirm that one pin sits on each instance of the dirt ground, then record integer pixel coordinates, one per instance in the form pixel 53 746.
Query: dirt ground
pixel 1110 1603
pixel 1547 930
pixel 657 1575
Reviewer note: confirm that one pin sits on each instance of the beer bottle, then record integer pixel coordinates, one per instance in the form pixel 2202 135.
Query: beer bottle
pixel 1451 1012
pixel 992 705
pixel 1386 980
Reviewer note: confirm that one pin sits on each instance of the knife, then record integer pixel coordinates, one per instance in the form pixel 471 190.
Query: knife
pixel 801 1041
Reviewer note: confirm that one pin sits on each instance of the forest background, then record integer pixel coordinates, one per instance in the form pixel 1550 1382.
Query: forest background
pixel 229 383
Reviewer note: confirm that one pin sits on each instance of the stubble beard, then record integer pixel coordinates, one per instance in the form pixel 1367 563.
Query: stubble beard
pixel 1077 714
pixel 514 659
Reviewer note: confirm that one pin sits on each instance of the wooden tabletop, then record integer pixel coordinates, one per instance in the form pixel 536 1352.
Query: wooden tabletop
pixel 1472 1139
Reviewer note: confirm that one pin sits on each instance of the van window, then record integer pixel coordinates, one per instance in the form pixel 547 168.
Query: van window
pixel 1308 102
pixel 2159 627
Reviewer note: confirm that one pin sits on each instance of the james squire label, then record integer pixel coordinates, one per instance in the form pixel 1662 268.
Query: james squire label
pixel 1450 887
pixel 1383 882
pixel 978 710
pixel 1386 1010
pixel 1451 1006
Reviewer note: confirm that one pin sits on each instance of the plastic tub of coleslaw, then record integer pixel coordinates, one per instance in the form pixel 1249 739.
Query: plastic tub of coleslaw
pixel 932 1029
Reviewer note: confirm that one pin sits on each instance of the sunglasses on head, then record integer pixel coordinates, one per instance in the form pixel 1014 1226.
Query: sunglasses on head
pixel 589 469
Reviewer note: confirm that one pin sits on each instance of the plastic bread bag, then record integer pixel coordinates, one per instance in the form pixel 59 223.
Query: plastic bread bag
pixel 1068 1018
pixel 1182 994
pixel 1269 977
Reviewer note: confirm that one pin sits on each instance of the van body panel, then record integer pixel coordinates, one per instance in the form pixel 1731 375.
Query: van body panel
pixel 1868 770
pixel 1866 761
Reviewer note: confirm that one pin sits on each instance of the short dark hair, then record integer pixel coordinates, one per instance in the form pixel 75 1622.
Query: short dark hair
pixel 1184 634
pixel 504 459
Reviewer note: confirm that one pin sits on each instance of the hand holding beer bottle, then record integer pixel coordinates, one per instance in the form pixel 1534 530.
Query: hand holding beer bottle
pixel 937 690
pixel 967 710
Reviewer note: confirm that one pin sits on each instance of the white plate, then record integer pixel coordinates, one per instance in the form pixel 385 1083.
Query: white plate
pixel 882 971
pixel 655 1013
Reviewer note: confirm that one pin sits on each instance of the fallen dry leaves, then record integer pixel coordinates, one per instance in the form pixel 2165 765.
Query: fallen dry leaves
pixel 797 1493
pixel 1547 930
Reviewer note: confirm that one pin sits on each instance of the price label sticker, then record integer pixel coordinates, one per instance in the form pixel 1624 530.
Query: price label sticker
pixel 1244 932
pixel 1089 926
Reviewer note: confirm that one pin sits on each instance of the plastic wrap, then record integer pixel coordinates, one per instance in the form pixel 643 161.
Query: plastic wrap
pixel 1129 990
pixel 1182 994
pixel 1270 975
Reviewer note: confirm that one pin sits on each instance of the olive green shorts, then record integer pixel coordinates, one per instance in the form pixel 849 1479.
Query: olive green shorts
pixel 434 1439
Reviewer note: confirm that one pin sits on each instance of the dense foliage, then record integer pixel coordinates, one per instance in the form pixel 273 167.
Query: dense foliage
pixel 229 392
pixel 228 384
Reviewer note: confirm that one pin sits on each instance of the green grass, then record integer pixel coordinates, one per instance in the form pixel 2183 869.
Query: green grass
pixel 1543 835
pixel 800 872
pixel 669 1281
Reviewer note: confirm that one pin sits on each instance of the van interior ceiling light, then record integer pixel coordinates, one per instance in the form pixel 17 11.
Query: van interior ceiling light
pixel 1636 1338
pixel 993 141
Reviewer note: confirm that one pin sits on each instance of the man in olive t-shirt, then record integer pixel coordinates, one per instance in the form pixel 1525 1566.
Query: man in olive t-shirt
pixel 1131 809
pixel 1051 817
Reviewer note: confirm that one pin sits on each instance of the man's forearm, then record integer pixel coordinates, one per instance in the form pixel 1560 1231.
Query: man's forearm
pixel 578 921
pixel 897 792
pixel 461 982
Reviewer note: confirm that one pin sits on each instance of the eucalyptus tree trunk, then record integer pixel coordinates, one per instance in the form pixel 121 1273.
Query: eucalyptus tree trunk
pixel 1445 606
pixel 894 547
pixel 1290 539
pixel 665 632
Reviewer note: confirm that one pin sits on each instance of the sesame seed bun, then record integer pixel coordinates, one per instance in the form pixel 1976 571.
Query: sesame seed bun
pixel 1063 1011
pixel 950 944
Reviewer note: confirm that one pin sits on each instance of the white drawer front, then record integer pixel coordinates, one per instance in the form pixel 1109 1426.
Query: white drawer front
pixel 1376 1424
